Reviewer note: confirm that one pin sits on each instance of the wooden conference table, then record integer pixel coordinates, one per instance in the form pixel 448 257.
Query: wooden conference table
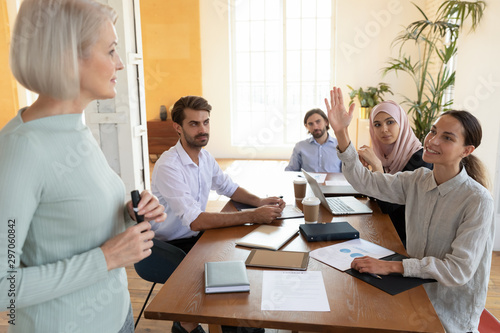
pixel 355 306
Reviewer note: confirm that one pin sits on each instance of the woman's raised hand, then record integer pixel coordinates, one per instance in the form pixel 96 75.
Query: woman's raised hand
pixel 338 117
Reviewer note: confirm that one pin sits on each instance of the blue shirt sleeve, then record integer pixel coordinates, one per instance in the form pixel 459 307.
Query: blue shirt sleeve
pixel 295 160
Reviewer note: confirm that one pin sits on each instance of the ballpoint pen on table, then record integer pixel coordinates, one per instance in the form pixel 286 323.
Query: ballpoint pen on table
pixel 375 275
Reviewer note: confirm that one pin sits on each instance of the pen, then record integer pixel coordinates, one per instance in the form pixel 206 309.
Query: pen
pixel 375 275
pixel 279 196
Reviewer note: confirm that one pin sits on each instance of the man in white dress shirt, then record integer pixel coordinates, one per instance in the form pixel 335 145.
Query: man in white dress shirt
pixel 184 175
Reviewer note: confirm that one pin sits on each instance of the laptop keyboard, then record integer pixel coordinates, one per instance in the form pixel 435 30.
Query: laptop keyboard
pixel 338 206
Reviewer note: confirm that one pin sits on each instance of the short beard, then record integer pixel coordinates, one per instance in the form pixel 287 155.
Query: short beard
pixel 193 143
pixel 319 135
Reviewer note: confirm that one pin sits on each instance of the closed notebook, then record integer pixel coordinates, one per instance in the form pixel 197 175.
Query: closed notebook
pixel 328 231
pixel 226 277
pixel 268 237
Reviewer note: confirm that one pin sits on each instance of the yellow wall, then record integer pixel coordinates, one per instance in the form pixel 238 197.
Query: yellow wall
pixel 172 54
pixel 8 88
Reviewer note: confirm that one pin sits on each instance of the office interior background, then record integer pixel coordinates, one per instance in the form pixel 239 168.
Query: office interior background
pixel 262 64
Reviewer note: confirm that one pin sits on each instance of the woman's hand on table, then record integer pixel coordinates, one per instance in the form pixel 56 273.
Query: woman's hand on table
pixel 376 266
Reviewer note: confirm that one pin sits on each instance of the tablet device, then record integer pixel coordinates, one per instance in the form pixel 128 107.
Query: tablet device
pixel 278 259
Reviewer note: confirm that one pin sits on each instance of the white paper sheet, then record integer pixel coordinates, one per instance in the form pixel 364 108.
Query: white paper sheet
pixel 320 177
pixel 342 254
pixel 338 182
pixel 294 291
pixel 289 212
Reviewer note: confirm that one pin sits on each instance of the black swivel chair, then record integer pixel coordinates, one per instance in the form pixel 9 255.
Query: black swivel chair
pixel 158 267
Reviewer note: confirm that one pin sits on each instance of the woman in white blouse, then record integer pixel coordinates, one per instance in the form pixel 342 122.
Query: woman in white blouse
pixel 449 213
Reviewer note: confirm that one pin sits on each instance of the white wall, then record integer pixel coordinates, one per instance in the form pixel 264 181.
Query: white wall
pixel 364 32
pixel 363 39
pixel 477 90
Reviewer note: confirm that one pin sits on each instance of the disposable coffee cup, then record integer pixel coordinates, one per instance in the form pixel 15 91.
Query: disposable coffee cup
pixel 299 187
pixel 310 209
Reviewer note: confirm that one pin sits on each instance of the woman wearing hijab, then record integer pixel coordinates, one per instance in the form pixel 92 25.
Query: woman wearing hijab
pixel 395 149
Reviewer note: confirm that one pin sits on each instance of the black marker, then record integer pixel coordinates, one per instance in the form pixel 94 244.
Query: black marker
pixel 136 197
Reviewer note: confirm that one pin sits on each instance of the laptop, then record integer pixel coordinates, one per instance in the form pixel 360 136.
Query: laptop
pixel 347 205
pixel 341 188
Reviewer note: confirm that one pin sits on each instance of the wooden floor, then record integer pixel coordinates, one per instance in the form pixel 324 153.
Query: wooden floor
pixel 139 288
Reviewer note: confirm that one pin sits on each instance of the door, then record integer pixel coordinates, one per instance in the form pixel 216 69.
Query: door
pixel 119 124
pixel 496 196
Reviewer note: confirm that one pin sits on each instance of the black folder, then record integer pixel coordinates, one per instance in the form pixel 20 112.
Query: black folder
pixel 392 284
pixel 328 231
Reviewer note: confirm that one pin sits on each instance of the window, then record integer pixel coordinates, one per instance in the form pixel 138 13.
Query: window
pixel 436 64
pixel 281 67
pixel 449 93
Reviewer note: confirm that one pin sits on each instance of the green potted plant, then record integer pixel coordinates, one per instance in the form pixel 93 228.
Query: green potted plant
pixel 436 42
pixel 368 97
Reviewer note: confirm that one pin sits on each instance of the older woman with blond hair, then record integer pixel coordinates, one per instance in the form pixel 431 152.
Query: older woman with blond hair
pixel 63 210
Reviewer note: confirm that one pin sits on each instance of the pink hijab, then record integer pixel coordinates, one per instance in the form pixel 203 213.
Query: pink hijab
pixel 395 156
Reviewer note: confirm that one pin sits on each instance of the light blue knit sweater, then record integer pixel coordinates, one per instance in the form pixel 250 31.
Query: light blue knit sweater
pixel 59 202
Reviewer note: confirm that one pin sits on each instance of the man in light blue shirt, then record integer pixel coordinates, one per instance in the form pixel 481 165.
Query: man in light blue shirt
pixel 317 153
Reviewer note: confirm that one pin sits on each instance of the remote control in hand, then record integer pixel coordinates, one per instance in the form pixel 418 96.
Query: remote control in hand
pixel 136 197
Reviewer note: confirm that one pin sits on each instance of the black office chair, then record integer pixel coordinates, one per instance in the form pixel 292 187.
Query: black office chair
pixel 158 267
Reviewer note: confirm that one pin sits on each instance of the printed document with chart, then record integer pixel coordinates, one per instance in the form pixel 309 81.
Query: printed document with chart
pixel 341 255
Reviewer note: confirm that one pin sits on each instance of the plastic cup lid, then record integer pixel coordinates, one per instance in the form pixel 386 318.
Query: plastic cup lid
pixel 310 201
pixel 299 181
